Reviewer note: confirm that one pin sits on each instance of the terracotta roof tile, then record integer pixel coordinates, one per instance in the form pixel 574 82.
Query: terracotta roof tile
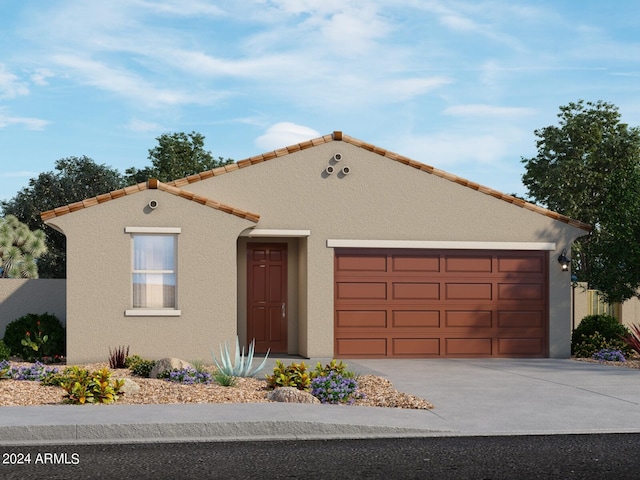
pixel 173 189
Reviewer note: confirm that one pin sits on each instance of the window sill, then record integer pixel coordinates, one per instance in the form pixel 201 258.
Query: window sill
pixel 142 312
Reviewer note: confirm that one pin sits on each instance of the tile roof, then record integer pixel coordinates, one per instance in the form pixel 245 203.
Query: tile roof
pixel 339 136
pixel 152 184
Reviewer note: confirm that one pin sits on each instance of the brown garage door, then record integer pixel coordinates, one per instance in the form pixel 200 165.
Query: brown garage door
pixel 445 303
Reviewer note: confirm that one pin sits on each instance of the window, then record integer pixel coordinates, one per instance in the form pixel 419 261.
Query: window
pixel 154 278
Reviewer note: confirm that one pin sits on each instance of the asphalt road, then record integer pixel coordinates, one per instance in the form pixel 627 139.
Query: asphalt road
pixel 509 457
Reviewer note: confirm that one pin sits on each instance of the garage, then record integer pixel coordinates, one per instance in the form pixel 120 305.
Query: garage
pixel 440 303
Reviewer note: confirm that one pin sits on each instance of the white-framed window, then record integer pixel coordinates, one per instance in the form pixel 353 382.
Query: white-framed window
pixel 154 279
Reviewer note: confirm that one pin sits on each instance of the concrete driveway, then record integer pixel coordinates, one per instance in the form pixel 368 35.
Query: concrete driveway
pixel 513 396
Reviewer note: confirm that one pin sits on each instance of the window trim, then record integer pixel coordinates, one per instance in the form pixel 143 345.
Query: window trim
pixel 153 312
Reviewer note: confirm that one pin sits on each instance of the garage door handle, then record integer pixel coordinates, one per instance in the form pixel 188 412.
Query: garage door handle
pixel 283 311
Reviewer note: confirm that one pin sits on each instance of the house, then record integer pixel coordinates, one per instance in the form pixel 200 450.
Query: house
pixel 329 248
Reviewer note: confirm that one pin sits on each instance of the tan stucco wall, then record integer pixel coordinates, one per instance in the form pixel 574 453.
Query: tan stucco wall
pixel 99 279
pixel 19 297
pixel 629 310
pixel 381 199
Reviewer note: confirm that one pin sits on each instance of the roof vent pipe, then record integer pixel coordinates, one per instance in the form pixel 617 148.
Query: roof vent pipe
pixel 330 169
pixel 346 170
pixel 337 157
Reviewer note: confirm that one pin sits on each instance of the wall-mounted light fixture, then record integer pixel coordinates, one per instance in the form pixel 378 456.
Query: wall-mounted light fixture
pixel 564 261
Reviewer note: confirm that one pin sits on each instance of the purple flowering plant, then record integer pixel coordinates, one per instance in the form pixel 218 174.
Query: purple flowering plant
pixel 189 376
pixel 35 372
pixel 609 355
pixel 335 388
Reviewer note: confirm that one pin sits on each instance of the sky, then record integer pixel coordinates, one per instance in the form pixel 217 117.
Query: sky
pixel 459 85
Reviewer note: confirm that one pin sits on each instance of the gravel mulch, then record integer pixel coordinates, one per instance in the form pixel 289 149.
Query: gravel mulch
pixel 379 392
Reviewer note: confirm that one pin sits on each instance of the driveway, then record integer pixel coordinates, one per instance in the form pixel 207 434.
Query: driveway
pixel 503 396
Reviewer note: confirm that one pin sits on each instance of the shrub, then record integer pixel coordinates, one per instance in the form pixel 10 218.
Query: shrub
pixel 294 375
pixel 334 366
pixel 189 376
pixel 334 388
pixel 609 355
pixel 117 358
pixel 610 331
pixel 139 366
pixel 83 386
pixel 47 324
pixel 224 380
pixel 5 366
pixel 5 352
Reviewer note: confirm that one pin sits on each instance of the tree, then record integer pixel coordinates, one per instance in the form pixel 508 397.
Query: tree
pixel 177 155
pixel 20 249
pixel 588 168
pixel 76 179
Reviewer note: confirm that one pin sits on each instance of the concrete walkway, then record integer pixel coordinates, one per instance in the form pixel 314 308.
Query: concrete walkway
pixel 471 397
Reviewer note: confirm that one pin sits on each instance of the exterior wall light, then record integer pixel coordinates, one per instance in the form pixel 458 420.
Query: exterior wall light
pixel 564 261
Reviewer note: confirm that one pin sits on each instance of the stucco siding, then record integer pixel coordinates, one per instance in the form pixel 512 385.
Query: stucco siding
pixel 99 284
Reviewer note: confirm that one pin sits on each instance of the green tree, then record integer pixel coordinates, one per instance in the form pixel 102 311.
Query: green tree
pixel 76 179
pixel 177 155
pixel 20 249
pixel 588 168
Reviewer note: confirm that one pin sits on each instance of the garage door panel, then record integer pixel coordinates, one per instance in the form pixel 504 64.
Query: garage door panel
pixel 520 346
pixel 441 303
pixel 416 318
pixel 520 291
pixel 521 264
pixel 520 319
pixel 361 319
pixel 362 263
pixel 469 264
pixel 361 346
pixel 415 291
pixel 361 290
pixel 469 291
pixel 468 346
pixel 412 347
pixel 469 319
pixel 403 263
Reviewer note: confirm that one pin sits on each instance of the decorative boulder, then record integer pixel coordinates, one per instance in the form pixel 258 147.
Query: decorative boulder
pixel 130 387
pixel 168 364
pixel 291 395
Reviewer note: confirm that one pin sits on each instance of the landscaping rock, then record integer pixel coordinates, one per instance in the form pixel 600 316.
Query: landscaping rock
pixel 130 387
pixel 168 364
pixel 291 395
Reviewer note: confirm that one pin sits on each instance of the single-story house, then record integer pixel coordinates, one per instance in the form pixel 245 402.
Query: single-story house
pixel 329 248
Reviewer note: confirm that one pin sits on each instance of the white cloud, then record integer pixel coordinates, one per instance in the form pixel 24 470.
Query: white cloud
pixel 40 76
pixel 10 84
pixel 27 122
pixel 283 134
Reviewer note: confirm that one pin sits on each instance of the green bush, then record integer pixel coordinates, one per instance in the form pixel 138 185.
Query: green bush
pixel 339 368
pixel 596 332
pixel 49 325
pixel 139 366
pixel 294 375
pixel 83 386
pixel 5 352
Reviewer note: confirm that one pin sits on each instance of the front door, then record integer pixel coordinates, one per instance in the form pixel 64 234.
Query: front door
pixel 267 296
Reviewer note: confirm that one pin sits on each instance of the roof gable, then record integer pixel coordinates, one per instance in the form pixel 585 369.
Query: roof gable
pixel 338 136
pixel 152 184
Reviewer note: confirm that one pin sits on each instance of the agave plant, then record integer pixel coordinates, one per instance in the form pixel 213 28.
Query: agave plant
pixel 241 367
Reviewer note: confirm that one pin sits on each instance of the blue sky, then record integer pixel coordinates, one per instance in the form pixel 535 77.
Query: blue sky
pixel 460 85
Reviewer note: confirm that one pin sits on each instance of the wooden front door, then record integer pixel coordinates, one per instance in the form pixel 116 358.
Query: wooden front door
pixel 267 296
